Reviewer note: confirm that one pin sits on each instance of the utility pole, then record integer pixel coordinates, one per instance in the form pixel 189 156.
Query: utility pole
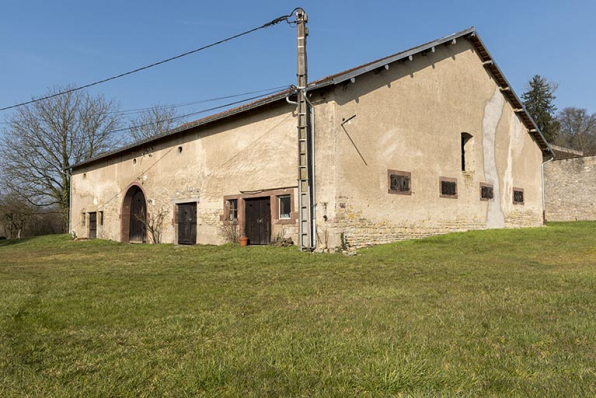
pixel 305 237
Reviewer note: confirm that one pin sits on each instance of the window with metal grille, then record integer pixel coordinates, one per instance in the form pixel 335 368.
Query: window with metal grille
pixel 486 192
pixel 399 182
pixel 518 196
pixel 448 187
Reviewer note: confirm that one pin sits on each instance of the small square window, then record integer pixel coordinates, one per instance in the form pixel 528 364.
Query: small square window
pixel 399 182
pixel 232 209
pixel 448 187
pixel 486 192
pixel 285 207
pixel 518 196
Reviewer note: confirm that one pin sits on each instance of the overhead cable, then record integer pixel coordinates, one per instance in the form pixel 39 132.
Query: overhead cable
pixel 196 113
pixel 266 25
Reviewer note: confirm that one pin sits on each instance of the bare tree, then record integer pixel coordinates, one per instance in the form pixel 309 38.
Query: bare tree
pixel 578 129
pixel 15 215
pixel 45 138
pixel 153 122
pixel 154 222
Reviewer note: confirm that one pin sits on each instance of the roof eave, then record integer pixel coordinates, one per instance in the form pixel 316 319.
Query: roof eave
pixel 508 91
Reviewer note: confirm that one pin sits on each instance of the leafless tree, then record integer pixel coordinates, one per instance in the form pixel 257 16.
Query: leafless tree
pixel 578 129
pixel 43 139
pixel 15 215
pixel 154 222
pixel 153 122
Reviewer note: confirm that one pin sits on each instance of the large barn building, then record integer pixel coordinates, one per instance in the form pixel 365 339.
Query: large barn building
pixel 427 141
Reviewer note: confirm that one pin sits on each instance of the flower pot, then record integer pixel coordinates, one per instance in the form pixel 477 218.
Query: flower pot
pixel 243 241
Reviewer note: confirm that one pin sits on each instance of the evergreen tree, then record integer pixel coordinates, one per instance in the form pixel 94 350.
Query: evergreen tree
pixel 539 101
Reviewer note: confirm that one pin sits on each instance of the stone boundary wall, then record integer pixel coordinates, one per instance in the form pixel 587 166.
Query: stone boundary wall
pixel 570 189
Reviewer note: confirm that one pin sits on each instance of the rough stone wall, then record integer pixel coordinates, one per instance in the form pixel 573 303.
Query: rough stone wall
pixel 570 189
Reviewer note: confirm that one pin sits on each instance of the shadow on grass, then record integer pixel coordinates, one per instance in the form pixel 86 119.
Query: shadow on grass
pixel 11 242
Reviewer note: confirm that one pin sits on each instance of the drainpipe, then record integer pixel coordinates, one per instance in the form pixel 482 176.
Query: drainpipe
pixel 543 196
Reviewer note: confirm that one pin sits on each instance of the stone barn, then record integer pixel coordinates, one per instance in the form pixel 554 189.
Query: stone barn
pixel 426 141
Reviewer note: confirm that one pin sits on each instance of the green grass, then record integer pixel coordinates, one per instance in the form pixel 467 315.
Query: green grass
pixel 488 313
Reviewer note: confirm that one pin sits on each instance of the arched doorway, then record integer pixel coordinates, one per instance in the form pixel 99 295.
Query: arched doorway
pixel 134 216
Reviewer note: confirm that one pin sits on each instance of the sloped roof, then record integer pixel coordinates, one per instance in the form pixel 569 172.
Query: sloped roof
pixel 352 73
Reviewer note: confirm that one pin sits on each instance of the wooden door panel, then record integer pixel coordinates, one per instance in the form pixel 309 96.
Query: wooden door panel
pixel 138 213
pixel 258 220
pixel 187 224
pixel 92 225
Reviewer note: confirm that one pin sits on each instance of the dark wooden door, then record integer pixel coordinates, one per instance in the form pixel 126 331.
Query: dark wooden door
pixel 258 220
pixel 138 217
pixel 92 225
pixel 187 224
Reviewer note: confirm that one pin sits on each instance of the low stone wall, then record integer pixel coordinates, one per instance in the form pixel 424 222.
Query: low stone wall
pixel 570 189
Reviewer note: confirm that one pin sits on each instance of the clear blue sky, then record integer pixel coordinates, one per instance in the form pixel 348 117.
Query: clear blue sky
pixel 46 43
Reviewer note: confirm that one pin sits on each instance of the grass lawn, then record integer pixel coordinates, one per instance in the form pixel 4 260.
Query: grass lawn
pixel 487 313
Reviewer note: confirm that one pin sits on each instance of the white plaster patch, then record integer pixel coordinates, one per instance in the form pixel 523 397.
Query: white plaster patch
pixel 516 146
pixel 388 144
pixel 492 114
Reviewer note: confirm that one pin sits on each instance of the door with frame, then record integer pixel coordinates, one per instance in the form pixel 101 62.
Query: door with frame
pixel 258 220
pixel 187 223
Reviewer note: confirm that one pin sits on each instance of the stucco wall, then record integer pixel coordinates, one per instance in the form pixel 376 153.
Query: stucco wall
pixel 570 189
pixel 250 154
pixel 410 118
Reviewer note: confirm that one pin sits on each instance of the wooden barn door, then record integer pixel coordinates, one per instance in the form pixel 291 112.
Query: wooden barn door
pixel 258 220
pixel 187 224
pixel 138 214
pixel 92 225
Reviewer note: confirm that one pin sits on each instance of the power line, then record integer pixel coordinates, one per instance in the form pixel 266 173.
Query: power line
pixel 264 26
pixel 196 113
pixel 128 112
pixel 139 110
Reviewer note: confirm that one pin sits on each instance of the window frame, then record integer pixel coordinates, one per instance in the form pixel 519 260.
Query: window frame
pixel 485 185
pixel 523 196
pixel 279 198
pixel 402 174
pixel 231 210
pixel 447 179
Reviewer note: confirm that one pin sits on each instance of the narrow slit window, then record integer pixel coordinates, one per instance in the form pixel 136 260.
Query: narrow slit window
pixel 466 144
pixel 399 182
pixel 285 204
pixel 448 187
pixel 101 218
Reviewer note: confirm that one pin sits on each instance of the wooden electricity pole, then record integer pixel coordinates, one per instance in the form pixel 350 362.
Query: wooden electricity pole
pixel 304 139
